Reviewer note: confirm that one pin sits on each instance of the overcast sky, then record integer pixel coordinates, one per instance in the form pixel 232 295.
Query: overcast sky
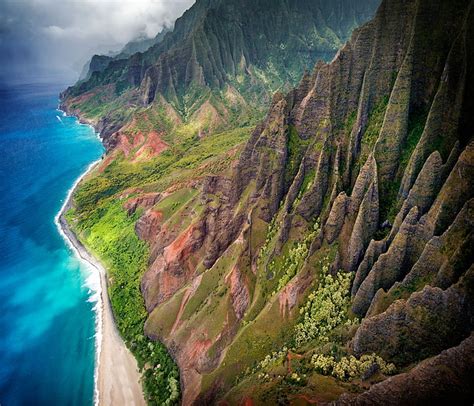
pixel 47 37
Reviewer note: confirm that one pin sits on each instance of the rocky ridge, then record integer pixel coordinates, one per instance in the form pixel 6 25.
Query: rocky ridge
pixel 219 65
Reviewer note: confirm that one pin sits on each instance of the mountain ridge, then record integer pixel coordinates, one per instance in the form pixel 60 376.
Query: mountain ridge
pixel 197 57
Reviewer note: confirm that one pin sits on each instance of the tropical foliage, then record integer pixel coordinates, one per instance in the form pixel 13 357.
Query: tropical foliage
pixel 326 308
pixel 350 367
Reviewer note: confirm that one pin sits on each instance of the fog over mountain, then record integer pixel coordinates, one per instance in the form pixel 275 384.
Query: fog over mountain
pixel 49 37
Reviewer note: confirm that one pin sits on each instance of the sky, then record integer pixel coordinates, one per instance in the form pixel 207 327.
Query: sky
pixel 41 38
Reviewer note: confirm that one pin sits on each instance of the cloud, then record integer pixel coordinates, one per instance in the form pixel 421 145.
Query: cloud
pixel 52 35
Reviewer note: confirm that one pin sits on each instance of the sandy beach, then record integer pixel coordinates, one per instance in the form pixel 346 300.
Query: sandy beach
pixel 117 375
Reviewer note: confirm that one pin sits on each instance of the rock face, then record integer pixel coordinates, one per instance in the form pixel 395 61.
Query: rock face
pixel 368 163
pixel 401 333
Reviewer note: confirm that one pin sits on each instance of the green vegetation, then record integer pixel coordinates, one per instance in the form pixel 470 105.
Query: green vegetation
pixel 416 125
pixel 326 308
pixel 104 102
pixel 348 368
pixel 111 237
pixel 389 205
pixel 349 123
pixel 296 149
pixel 372 131
pixel 305 186
pixel 314 347
pixel 296 256
pixel 271 233
pixel 209 155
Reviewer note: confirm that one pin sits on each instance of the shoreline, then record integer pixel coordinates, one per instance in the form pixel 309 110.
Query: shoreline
pixel 117 379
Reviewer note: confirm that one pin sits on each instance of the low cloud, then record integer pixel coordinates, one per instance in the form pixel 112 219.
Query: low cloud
pixel 59 36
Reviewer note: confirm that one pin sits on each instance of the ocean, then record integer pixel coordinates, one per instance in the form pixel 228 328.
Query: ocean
pixel 47 296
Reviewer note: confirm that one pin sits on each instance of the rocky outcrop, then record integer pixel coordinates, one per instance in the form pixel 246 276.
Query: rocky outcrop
pixel 424 191
pixel 239 293
pixel 144 201
pixel 173 268
pixel 336 217
pixel 391 266
pixel 443 379
pixel 425 324
pixel 366 224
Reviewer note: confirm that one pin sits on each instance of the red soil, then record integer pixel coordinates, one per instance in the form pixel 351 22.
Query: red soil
pixel 153 146
pixel 175 249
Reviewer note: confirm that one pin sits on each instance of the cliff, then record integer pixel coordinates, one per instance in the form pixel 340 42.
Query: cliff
pixel 379 152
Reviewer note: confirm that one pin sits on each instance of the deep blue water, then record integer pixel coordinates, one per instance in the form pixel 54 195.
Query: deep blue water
pixel 47 319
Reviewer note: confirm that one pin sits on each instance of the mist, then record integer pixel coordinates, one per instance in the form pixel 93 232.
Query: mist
pixel 43 39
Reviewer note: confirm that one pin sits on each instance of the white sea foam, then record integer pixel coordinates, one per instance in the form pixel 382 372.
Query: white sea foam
pixel 78 122
pixel 63 113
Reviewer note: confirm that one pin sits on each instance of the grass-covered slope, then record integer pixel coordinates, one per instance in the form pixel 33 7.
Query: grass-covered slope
pixel 104 215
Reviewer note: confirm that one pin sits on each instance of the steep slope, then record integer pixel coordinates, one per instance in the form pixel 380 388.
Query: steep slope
pixel 365 167
pixel 99 63
pixel 329 250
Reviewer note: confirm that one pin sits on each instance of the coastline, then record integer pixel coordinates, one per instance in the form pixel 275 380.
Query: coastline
pixel 117 379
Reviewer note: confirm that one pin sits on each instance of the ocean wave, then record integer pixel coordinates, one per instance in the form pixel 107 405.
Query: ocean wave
pixel 78 122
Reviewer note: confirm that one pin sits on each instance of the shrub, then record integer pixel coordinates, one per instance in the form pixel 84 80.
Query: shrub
pixel 326 308
pixel 296 257
pixel 348 368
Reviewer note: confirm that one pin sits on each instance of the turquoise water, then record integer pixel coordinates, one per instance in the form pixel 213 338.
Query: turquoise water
pixel 47 319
